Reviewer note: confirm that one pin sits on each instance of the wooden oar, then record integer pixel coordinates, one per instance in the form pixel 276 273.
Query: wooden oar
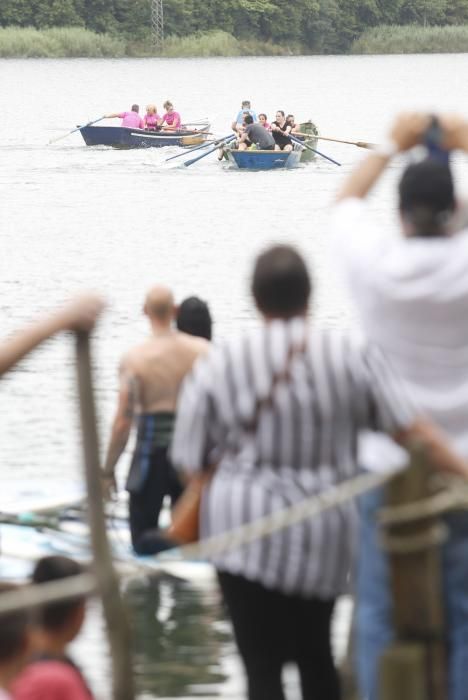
pixel 360 144
pixel 78 128
pixel 197 148
pixel 305 145
pixel 226 139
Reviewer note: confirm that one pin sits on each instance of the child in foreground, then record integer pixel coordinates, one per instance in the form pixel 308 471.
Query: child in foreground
pixel 14 644
pixel 50 673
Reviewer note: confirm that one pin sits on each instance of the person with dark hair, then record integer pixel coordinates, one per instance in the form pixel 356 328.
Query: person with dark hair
pixel 150 376
pixel 194 318
pixel 267 408
pixel 281 129
pixel 51 674
pixel 14 644
pixel 292 123
pixel 263 120
pixel 411 292
pixel 131 120
pixel 426 198
pixel 255 134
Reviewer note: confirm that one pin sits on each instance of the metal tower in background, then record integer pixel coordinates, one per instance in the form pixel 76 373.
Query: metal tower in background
pixel 157 23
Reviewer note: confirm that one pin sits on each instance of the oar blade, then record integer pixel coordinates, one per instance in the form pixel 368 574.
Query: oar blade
pixel 365 144
pixel 211 142
pixel 187 163
pixel 78 128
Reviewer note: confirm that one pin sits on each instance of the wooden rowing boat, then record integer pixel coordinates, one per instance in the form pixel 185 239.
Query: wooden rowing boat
pixel 256 159
pixel 308 127
pixel 125 137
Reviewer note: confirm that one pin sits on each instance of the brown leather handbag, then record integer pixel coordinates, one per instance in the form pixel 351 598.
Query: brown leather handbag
pixel 185 516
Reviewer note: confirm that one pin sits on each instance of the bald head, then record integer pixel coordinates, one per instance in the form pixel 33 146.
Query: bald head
pixel 159 304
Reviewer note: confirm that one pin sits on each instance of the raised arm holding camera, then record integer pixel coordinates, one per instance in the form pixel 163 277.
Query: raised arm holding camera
pixel 411 292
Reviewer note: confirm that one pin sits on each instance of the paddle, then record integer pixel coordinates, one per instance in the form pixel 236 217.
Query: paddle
pixel 78 128
pixel 360 144
pixel 197 148
pixel 305 145
pixel 223 141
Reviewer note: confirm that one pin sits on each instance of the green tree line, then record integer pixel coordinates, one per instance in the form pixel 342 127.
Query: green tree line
pixel 321 26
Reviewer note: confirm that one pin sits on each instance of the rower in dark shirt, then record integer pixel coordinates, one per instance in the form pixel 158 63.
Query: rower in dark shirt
pixel 256 134
pixel 280 130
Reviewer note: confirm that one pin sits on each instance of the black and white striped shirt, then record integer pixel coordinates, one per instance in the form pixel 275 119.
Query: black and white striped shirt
pixel 303 443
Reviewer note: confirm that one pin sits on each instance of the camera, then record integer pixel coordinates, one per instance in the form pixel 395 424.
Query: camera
pixel 432 140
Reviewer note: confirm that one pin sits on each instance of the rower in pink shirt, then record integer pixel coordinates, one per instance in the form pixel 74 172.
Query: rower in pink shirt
pixel 263 119
pixel 152 119
pixel 171 118
pixel 132 119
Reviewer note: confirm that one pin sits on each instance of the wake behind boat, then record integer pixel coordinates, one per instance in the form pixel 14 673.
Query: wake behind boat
pixel 127 137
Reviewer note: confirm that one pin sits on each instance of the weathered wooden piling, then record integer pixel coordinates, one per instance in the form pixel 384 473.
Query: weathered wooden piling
pixel 414 667
pixel 115 613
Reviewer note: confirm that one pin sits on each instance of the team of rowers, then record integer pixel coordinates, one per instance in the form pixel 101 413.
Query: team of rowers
pixel 255 132
pixel 152 121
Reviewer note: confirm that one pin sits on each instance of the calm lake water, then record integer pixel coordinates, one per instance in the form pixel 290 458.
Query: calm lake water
pixel 75 218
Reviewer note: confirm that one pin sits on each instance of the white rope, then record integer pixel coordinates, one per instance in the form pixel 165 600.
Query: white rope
pixel 268 524
pixel 31 596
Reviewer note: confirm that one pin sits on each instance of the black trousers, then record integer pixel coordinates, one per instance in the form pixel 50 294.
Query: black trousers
pixel 272 629
pixel 145 505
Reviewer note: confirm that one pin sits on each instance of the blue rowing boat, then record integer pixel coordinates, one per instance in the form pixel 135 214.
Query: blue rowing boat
pixel 125 137
pixel 263 160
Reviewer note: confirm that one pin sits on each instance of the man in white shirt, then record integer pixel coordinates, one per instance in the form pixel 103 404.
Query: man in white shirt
pixel 412 294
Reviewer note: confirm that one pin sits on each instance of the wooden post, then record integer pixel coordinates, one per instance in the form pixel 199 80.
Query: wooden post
pixel 414 667
pixel 115 613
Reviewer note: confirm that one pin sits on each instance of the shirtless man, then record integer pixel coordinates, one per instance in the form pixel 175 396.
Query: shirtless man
pixel 150 377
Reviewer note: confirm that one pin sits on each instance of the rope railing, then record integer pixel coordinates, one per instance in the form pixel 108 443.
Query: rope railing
pixel 273 522
pixel 454 498
pixel 31 596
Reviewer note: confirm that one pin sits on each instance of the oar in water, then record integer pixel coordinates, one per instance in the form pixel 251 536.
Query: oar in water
pixel 211 150
pixel 360 144
pixel 197 148
pixel 78 128
pixel 305 145
pixel 30 520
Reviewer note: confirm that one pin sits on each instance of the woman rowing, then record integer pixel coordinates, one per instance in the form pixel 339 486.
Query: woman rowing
pixel 292 123
pixel 263 120
pixel 152 118
pixel 281 130
pixel 171 118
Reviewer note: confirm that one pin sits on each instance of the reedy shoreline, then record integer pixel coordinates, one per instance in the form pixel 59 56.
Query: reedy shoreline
pixel 74 42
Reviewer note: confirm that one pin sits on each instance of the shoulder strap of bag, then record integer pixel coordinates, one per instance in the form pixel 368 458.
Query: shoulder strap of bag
pixel 283 375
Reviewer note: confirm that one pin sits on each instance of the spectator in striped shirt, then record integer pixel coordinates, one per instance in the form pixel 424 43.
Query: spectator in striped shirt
pixel 411 291
pixel 278 410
